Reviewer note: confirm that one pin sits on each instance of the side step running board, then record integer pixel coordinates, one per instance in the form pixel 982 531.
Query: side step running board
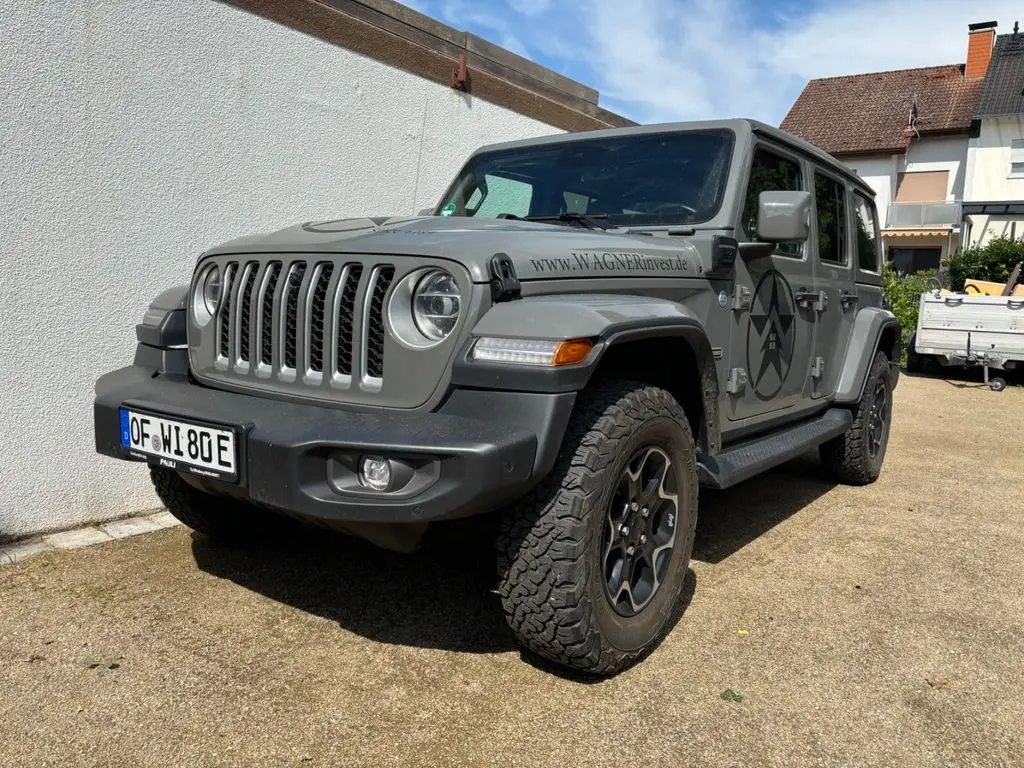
pixel 741 462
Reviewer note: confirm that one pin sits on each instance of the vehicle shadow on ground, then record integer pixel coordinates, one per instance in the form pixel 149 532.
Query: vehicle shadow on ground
pixel 440 597
pixel 733 518
pixel 443 596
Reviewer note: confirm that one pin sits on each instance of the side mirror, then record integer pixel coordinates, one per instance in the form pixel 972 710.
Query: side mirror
pixel 784 216
pixel 426 212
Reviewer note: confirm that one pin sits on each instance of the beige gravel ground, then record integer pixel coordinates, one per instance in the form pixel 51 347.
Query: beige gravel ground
pixel 829 609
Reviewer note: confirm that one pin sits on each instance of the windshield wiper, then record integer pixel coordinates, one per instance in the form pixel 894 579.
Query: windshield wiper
pixel 590 221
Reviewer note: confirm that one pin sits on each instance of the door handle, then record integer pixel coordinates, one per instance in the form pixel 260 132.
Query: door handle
pixel 848 298
pixel 803 295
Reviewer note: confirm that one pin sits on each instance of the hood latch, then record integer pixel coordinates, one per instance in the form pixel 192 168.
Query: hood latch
pixel 504 282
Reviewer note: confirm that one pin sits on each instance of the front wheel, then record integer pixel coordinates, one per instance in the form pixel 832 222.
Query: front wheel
pixel 855 458
pixel 592 563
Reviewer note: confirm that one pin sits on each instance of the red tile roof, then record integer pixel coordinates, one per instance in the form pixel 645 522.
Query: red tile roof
pixel 869 112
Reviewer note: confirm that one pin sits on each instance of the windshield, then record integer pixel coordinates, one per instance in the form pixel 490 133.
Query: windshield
pixel 636 180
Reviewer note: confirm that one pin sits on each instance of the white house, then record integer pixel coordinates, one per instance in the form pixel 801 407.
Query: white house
pixel 908 134
pixel 994 189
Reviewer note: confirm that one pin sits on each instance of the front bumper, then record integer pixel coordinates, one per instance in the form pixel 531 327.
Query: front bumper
pixel 480 450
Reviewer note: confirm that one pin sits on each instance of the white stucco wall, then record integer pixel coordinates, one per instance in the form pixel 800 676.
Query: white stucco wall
pixel 134 135
pixel 989 177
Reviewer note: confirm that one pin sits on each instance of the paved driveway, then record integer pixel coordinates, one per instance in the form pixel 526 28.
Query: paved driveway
pixel 861 626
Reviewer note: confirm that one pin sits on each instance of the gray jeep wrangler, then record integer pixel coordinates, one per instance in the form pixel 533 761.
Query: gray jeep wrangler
pixel 586 329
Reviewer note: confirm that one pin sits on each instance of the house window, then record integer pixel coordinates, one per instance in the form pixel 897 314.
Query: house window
pixel 910 260
pixel 830 204
pixel 867 235
pixel 922 187
pixel 769 172
pixel 1017 159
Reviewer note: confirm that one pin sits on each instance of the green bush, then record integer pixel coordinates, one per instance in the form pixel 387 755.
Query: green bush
pixel 903 293
pixel 994 261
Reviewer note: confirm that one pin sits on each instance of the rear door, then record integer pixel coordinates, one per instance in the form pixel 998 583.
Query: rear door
pixel 832 297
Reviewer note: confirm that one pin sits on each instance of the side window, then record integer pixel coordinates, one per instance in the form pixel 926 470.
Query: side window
pixel 769 172
pixel 830 203
pixel 867 235
pixel 505 195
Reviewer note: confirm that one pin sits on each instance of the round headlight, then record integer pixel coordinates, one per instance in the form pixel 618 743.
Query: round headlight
pixel 436 302
pixel 210 289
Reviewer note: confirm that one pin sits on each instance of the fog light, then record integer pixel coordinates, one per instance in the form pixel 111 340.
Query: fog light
pixel 375 472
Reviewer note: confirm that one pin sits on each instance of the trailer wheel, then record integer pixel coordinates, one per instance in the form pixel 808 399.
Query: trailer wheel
pixel 997 384
pixel 915 363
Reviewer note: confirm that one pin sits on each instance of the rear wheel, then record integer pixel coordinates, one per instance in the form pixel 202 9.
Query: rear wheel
pixel 216 516
pixel 592 563
pixel 856 457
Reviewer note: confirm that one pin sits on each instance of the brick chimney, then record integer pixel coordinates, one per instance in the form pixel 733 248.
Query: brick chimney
pixel 980 39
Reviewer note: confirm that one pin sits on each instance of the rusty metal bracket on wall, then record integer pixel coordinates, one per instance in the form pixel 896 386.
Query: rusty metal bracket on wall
pixel 460 77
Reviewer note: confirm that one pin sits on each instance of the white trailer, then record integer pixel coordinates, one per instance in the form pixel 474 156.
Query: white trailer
pixel 958 329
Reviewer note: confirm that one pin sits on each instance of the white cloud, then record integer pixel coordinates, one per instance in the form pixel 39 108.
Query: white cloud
pixel 662 60
pixel 687 59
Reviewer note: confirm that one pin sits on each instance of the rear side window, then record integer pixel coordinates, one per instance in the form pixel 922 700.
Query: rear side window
pixel 770 172
pixel 867 235
pixel 830 204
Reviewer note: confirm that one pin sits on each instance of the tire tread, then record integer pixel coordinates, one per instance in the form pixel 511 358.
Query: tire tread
pixel 543 542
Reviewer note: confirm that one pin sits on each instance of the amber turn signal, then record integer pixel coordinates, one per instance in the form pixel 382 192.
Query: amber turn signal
pixel 572 351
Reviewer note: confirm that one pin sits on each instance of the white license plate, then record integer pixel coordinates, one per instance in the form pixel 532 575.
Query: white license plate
pixel 198 448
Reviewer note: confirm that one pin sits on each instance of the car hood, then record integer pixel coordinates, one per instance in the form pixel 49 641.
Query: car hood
pixel 538 250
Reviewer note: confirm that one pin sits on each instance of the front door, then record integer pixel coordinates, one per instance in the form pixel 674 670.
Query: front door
pixel 834 293
pixel 773 331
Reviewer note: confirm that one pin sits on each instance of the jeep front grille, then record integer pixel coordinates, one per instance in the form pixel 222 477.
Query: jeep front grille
pixel 302 320
pixel 317 326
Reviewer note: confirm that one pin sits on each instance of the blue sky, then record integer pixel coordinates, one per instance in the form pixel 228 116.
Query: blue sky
pixel 660 60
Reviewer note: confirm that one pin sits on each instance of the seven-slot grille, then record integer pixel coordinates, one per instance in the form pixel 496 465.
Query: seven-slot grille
pixel 303 320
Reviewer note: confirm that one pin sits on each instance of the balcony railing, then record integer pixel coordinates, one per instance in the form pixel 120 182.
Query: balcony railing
pixel 908 215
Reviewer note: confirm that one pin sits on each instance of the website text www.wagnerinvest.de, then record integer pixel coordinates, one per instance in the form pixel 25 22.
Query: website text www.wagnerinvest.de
pixel 609 261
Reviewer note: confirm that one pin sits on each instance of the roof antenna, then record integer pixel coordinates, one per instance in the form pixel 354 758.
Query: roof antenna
pixel 912 119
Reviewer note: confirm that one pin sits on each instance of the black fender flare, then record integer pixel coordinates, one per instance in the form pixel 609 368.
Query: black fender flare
pixel 164 323
pixel 869 327
pixel 607 320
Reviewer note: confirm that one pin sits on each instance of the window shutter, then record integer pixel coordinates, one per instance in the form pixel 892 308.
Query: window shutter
pixel 922 187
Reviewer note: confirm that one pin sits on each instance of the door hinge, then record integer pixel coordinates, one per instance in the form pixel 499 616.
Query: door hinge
pixel 814 300
pixel 818 368
pixel 736 382
pixel 741 299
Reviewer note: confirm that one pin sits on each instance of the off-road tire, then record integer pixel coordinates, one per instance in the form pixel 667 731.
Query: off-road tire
pixel 848 458
pixel 217 517
pixel 551 571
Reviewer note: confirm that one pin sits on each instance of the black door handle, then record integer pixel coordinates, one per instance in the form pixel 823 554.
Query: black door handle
pixel 849 298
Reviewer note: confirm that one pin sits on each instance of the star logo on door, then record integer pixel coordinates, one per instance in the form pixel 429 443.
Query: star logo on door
pixel 771 335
